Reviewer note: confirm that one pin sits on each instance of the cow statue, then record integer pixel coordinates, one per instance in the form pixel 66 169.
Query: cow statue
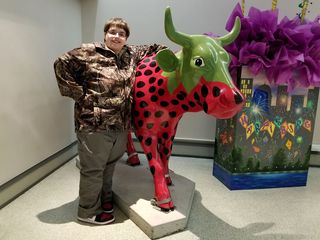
pixel 168 85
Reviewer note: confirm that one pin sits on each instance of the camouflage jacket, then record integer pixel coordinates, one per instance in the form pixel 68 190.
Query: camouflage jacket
pixel 101 83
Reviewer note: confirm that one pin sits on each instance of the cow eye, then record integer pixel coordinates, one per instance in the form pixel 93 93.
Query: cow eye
pixel 198 61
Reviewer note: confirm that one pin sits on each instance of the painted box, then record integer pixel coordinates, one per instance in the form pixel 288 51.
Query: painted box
pixel 268 143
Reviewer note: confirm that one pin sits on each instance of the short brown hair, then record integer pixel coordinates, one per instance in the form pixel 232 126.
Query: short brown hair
pixel 117 22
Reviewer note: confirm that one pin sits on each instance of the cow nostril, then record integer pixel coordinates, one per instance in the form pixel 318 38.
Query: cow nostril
pixel 238 98
pixel 216 91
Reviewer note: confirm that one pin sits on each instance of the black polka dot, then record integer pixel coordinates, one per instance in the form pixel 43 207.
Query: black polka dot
pixel 135 113
pixel 204 91
pixel 146 60
pixel 142 66
pixel 138 74
pixel 172 114
pixel 192 104
pixel 160 82
pixel 148 141
pixel 140 94
pixel 161 92
pixel 174 101
pixel 183 93
pixel 152 80
pixel 196 96
pixel 158 114
pixel 152 170
pixel 157 69
pixel 164 104
pixel 147 72
pixel 165 124
pixel 185 107
pixel 146 114
pixel 152 89
pixel 153 64
pixel 140 84
pixel 149 156
pixel 205 107
pixel 140 138
pixel 149 125
pixel 140 123
pixel 180 96
pixel 216 92
pixel 143 104
pixel 165 135
pixel 165 151
pixel 154 98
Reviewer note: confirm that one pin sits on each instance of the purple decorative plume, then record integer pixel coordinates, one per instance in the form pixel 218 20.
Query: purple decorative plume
pixel 287 52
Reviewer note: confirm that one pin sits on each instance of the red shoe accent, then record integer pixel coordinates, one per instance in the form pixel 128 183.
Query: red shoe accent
pixel 107 207
pixel 133 159
pixel 100 219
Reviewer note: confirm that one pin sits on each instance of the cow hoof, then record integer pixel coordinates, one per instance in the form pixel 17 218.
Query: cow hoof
pixel 166 210
pixel 133 160
pixel 164 207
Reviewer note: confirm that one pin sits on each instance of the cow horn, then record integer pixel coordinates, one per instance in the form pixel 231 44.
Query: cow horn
pixel 177 37
pixel 232 35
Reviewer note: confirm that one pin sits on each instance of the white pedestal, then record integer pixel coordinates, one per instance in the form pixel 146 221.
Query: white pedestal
pixel 133 189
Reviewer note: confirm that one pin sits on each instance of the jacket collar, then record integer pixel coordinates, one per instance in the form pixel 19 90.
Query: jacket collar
pixel 101 45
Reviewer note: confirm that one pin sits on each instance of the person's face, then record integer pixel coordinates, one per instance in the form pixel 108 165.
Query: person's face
pixel 115 38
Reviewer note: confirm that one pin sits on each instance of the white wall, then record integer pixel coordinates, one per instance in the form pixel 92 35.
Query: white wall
pixel 145 18
pixel 35 121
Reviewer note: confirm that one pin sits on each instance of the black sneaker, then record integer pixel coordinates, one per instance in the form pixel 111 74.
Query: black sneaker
pixel 100 219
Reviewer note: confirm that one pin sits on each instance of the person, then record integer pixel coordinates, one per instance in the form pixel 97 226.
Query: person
pixel 100 78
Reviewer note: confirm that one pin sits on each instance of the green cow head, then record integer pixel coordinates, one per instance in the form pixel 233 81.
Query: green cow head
pixel 201 56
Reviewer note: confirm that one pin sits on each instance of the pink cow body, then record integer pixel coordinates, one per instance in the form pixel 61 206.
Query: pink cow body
pixel 168 85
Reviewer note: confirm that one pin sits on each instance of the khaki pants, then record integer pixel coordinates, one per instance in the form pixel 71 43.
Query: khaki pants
pixel 98 154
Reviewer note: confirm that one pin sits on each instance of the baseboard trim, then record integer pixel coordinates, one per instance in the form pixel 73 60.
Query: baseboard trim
pixel 315 148
pixel 315 159
pixel 197 148
pixel 20 184
pixel 204 148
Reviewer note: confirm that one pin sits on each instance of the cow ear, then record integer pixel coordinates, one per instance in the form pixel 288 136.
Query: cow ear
pixel 167 60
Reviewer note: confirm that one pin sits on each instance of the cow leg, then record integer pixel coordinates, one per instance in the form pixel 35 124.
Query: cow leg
pixel 161 192
pixel 133 159
pixel 165 150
